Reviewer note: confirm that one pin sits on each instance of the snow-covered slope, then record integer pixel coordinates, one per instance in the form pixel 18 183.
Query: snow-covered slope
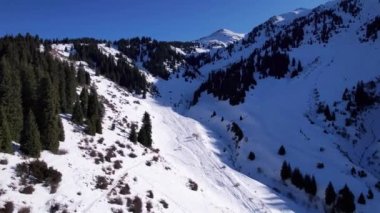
pixel 220 38
pixel 196 142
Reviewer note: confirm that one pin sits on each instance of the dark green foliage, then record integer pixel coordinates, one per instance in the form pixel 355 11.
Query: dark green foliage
pixel 77 116
pixel 297 178
pixel 94 114
pixel 81 76
pixel 286 171
pixel 5 134
pixel 31 80
pixel 281 150
pixel 145 134
pixel 159 54
pixel 133 134
pixel 10 97
pixel 362 98
pixel 372 28
pixel 361 199
pixel 310 185
pixel 370 194
pixel 346 200
pixel 121 72
pixel 84 100
pixel 30 141
pixel 237 131
pixel 251 156
pixel 38 172
pixel 61 131
pixel 48 116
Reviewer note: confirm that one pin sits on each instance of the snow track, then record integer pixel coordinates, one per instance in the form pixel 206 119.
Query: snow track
pixel 219 175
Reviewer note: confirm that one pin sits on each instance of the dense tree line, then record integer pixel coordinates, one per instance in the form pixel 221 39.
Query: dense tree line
pixel 88 110
pixel 34 89
pixel 233 83
pixel 305 182
pixel 372 28
pixel 121 72
pixel 157 56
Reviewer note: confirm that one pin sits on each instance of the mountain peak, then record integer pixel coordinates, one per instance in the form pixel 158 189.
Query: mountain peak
pixel 221 38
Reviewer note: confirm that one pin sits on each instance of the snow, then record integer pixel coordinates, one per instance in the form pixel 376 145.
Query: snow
pixel 220 38
pixel 193 145
pixel 186 147
pixel 286 18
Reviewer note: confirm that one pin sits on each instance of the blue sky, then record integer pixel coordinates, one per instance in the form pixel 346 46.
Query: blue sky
pixel 161 19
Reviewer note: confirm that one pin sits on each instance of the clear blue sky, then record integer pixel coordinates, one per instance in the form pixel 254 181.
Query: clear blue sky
pixel 160 19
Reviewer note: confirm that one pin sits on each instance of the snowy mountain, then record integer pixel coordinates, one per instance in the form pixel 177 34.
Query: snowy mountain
pixel 220 38
pixel 261 122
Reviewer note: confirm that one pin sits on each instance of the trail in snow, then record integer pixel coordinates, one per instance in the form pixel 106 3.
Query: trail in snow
pixel 223 179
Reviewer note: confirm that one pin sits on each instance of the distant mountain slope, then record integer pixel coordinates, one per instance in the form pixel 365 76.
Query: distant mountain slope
pixel 220 38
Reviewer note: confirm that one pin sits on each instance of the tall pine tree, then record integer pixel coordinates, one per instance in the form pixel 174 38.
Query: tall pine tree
pixel 10 98
pixel 346 200
pixel 5 135
pixel 30 141
pixel 77 113
pixel 145 133
pixel 48 117
pixel 330 195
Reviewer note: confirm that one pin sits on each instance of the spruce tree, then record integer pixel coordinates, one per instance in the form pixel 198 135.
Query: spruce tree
pixel 346 200
pixel 30 141
pixel 281 150
pixel 297 178
pixel 370 194
pixel 94 117
pixel 10 98
pixel 361 199
pixel 48 116
pixel 330 195
pixel 313 186
pixel 133 134
pixel 145 133
pixel 307 183
pixel 286 172
pixel 61 135
pixel 81 76
pixel 84 100
pixel 5 135
pixel 77 116
pixel 70 87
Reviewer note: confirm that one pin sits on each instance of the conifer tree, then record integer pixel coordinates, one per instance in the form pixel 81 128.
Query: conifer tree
pixel 145 133
pixel 297 178
pixel 48 117
pixel 94 117
pixel 307 183
pixel 370 194
pixel 5 135
pixel 77 116
pixel 81 76
pixel 61 135
pixel 330 195
pixel 281 150
pixel 133 134
pixel 286 172
pixel 10 98
pixel 30 141
pixel 70 87
pixel 361 199
pixel 346 200
pixel 313 186
pixel 84 100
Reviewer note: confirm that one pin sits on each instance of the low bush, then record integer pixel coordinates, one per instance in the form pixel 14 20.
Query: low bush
pixel 38 172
